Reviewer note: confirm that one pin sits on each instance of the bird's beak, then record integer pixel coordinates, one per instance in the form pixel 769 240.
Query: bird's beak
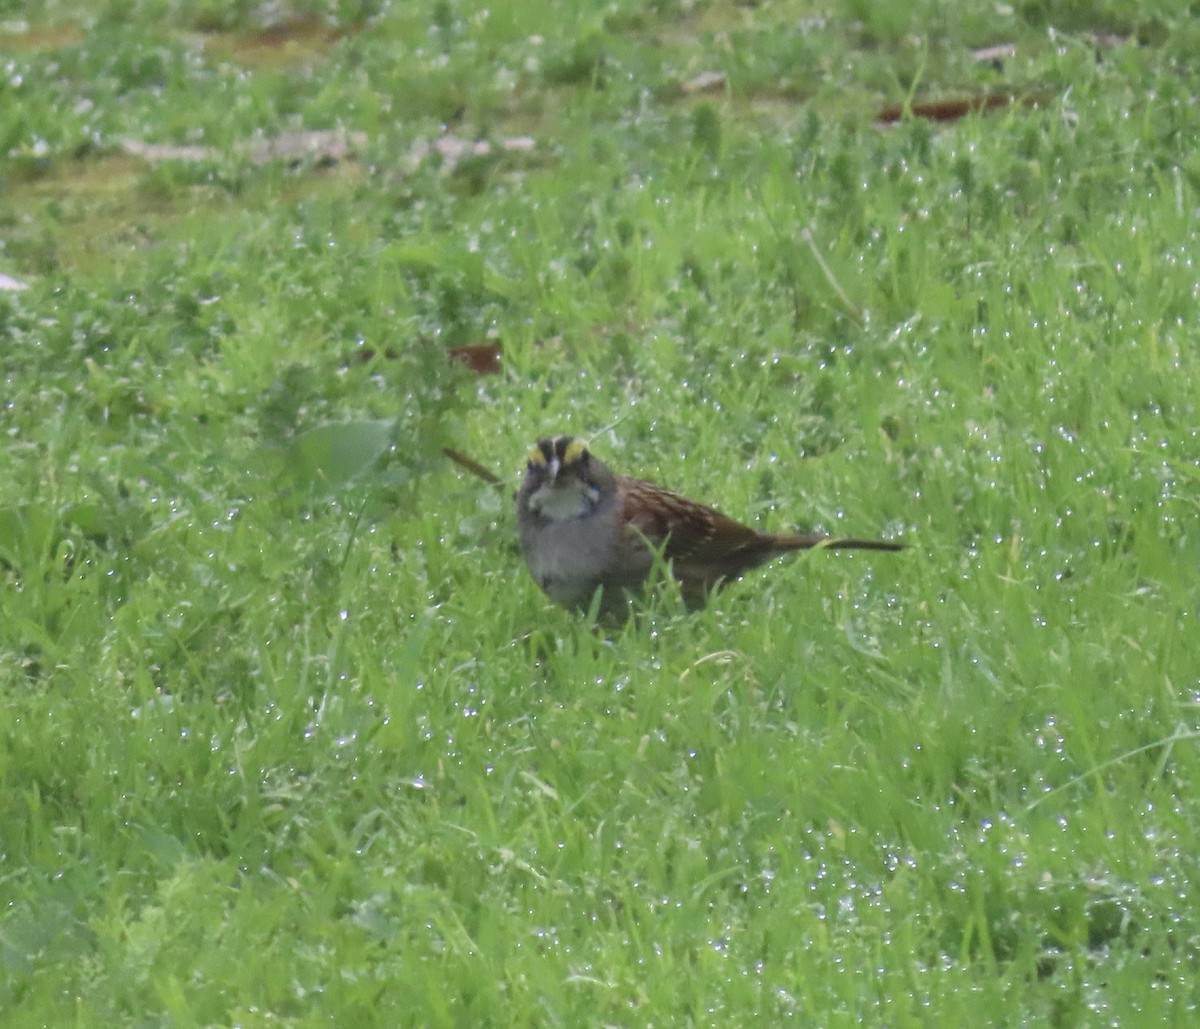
pixel 554 466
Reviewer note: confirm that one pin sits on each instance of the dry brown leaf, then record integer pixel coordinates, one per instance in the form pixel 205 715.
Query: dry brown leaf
pixel 705 82
pixel 999 52
pixel 481 358
pixel 319 146
pixel 952 110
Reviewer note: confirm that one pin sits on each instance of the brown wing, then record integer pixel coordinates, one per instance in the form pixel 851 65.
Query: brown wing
pixel 705 546
pixel 690 531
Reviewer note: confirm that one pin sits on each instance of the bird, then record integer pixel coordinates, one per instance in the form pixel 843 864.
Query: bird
pixel 585 529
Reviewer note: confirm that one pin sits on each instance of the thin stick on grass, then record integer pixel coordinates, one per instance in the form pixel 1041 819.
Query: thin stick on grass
pixel 474 467
pixel 851 307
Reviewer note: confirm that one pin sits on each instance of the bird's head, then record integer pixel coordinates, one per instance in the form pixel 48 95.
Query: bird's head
pixel 562 479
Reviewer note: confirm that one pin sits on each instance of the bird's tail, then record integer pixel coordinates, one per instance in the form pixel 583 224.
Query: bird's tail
pixel 806 542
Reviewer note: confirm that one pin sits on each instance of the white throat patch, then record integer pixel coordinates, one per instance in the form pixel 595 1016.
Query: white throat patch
pixel 560 501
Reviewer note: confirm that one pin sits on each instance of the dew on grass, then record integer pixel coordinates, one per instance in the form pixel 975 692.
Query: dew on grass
pixel 164 702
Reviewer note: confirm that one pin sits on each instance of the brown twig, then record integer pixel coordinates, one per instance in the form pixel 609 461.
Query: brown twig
pixel 474 467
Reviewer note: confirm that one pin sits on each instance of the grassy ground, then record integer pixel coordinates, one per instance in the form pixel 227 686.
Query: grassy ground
pixel 287 737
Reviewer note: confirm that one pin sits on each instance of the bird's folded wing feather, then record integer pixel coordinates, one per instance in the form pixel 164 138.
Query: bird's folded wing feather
pixel 688 529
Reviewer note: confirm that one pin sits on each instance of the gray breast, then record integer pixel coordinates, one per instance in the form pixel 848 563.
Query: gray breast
pixel 569 558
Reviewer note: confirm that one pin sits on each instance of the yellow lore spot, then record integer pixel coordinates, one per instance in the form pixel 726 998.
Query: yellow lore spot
pixel 574 451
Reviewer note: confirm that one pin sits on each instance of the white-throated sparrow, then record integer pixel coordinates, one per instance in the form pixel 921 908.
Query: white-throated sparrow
pixel 584 528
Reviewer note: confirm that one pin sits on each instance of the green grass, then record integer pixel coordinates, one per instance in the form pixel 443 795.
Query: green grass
pixel 288 737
